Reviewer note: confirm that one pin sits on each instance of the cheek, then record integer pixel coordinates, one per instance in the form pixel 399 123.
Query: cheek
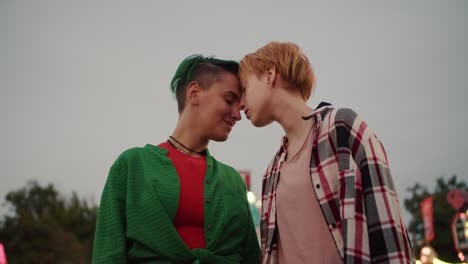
pixel 218 111
pixel 257 94
pixel 256 100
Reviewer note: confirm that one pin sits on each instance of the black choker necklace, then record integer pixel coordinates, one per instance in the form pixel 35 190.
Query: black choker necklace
pixel 201 153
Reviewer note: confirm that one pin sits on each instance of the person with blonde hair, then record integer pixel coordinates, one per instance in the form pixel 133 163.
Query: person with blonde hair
pixel 174 202
pixel 328 194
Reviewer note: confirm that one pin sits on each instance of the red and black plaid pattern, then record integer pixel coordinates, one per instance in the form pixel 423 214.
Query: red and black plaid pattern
pixel 351 177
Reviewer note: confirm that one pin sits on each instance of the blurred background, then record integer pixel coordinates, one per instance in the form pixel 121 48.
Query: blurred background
pixel 81 81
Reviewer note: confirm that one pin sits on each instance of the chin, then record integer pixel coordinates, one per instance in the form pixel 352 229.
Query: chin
pixel 220 138
pixel 260 123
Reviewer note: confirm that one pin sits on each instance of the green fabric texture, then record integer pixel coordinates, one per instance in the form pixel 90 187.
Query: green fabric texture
pixel 139 203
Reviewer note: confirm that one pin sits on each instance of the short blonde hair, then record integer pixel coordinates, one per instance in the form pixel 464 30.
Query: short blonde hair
pixel 288 60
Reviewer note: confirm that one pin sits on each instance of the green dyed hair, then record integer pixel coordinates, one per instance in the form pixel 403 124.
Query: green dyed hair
pixel 203 70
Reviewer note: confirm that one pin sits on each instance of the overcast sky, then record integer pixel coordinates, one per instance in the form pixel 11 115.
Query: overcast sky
pixel 81 81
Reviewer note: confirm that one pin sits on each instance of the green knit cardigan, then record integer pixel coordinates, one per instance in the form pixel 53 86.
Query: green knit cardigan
pixel 139 204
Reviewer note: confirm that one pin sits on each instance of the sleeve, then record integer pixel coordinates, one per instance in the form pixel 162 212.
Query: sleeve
pixel 251 249
pixel 388 237
pixel 110 240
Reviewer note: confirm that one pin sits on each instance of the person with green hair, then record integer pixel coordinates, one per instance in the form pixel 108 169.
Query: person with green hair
pixel 174 202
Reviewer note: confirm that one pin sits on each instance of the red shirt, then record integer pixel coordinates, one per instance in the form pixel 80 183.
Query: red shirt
pixel 189 220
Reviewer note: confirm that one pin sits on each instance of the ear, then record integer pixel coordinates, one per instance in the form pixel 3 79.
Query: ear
pixel 271 75
pixel 193 91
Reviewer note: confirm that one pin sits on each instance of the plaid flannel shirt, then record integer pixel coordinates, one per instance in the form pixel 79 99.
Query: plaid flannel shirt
pixel 350 173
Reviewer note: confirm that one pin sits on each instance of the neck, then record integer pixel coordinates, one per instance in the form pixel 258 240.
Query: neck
pixel 290 110
pixel 189 134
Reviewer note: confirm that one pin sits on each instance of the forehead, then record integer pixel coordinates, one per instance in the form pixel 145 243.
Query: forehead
pixel 244 77
pixel 228 82
pixel 249 78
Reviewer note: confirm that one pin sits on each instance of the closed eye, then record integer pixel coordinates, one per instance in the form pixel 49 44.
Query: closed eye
pixel 229 99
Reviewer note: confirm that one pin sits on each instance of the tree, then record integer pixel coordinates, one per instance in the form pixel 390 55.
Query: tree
pixel 45 227
pixel 443 216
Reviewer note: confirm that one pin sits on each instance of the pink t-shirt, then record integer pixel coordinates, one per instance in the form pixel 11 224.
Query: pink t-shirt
pixel 304 236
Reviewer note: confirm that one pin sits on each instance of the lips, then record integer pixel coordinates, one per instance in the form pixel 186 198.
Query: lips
pixel 246 112
pixel 230 124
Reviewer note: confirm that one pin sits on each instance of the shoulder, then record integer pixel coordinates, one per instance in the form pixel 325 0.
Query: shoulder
pixel 124 156
pixel 128 157
pixel 138 154
pixel 347 118
pixel 345 114
pixel 339 115
pixel 129 164
pixel 132 152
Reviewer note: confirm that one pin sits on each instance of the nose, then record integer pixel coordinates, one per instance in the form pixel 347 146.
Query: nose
pixel 242 103
pixel 235 113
